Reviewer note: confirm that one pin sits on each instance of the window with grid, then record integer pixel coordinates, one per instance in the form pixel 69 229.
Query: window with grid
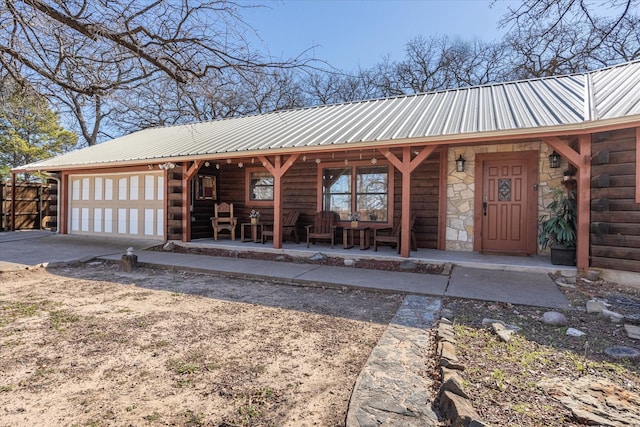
pixel 363 190
pixel 260 186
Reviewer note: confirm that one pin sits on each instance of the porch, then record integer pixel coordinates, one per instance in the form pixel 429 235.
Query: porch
pixel 533 263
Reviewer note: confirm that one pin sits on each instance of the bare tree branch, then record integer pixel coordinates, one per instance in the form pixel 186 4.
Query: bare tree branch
pixel 108 49
pixel 563 36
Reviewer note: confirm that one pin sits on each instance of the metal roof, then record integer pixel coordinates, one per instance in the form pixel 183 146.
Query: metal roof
pixel 527 106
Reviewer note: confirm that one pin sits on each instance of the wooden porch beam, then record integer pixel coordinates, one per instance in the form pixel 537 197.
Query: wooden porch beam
pixel 267 164
pixel 283 168
pixel 277 170
pixel 422 156
pixel 562 147
pixel 583 202
pixel 397 163
pixel 582 162
pixel 195 167
pixel 405 167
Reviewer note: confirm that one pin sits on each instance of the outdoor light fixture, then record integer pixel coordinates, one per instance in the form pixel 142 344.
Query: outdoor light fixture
pixel 554 160
pixel 167 166
pixel 460 164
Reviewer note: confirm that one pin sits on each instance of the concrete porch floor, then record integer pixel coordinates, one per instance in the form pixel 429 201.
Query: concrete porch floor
pixel 530 264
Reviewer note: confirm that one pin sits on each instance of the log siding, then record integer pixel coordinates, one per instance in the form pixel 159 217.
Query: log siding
pixel 615 208
pixel 300 192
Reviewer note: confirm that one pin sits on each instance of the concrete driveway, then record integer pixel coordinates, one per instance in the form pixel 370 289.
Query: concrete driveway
pixel 20 249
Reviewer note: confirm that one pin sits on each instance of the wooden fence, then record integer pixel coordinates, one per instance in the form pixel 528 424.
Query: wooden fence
pixel 35 206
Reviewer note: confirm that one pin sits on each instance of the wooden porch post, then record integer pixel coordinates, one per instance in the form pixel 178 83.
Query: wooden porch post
pixel 187 174
pixel 405 236
pixel 442 200
pixel 406 166
pixel 584 202
pixel 277 204
pixel 277 170
pixel 582 161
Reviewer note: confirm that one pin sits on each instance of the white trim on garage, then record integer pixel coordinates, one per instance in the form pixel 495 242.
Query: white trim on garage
pixel 118 204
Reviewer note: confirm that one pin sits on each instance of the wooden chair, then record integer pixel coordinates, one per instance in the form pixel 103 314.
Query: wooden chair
pixel 392 235
pixel 322 228
pixel 288 227
pixel 223 219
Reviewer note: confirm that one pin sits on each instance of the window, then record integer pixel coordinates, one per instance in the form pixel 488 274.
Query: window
pixel 205 187
pixel 360 189
pixel 260 186
pixel 336 191
pixel 371 196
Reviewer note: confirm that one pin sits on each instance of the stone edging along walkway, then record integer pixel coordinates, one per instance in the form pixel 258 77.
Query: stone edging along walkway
pixel 392 388
pixel 452 400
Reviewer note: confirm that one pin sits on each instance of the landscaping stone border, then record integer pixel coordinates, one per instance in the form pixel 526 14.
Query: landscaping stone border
pixel 452 399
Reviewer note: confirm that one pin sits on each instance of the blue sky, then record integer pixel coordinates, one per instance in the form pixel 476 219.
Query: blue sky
pixel 352 33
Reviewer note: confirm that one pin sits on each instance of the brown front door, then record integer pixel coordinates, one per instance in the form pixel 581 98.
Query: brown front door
pixel 507 201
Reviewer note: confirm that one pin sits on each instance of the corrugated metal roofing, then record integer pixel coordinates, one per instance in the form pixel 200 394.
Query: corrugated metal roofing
pixel 543 104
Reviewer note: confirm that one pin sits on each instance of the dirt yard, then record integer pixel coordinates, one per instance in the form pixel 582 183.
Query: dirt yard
pixel 91 346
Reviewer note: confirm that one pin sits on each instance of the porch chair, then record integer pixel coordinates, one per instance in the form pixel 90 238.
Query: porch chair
pixel 223 219
pixel 288 227
pixel 322 228
pixel 392 235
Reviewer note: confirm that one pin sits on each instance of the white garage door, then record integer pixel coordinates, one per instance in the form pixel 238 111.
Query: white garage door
pixel 128 205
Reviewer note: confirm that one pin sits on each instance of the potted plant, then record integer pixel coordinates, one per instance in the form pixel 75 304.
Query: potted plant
pixel 354 220
pixel 255 216
pixel 558 229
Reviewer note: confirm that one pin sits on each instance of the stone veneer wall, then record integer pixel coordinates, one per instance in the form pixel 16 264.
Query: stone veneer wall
pixel 461 188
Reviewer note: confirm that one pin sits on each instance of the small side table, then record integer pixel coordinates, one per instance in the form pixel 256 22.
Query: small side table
pixel 348 235
pixel 254 232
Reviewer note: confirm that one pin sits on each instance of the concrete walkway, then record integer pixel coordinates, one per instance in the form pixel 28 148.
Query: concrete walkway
pixel 525 288
pixel 19 250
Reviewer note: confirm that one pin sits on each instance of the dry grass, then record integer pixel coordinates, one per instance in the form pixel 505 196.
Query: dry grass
pixel 90 346
pixel 502 378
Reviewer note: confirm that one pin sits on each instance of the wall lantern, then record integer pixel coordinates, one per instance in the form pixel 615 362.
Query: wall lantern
pixel 554 160
pixel 460 164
